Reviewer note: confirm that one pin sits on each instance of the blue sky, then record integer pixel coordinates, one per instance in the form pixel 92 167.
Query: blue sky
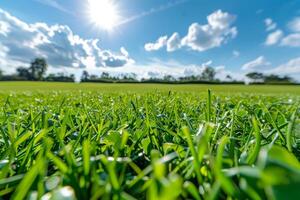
pixel 154 37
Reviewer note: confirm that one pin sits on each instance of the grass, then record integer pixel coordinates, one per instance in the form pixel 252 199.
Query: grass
pixel 110 141
pixel 144 88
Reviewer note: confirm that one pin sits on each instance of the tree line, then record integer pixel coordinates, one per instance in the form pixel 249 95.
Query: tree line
pixel 207 76
pixel 36 72
pixel 257 77
pixel 38 68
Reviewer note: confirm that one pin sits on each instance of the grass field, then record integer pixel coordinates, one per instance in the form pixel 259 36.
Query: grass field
pixel 144 88
pixel 149 141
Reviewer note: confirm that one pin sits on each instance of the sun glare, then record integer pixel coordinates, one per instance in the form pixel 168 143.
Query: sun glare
pixel 103 13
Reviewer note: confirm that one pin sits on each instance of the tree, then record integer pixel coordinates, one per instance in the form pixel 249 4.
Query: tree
pixel 72 76
pixel 23 72
pixel 61 77
pixel 105 75
pixel 255 76
pixel 38 68
pixel 169 78
pixel 133 76
pixel 208 74
pixel 85 76
pixel 93 77
pixel 276 79
pixel 228 77
pixel 189 78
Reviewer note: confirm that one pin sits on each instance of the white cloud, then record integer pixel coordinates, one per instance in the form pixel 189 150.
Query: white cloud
pixel 7 65
pixel 291 40
pixel 220 20
pixel 57 43
pixel 160 43
pixel 270 25
pixel 173 42
pixel 4 28
pixel 111 60
pixel 259 63
pixel 161 8
pixel 216 32
pixel 292 67
pixel 195 70
pixel 274 37
pixel 294 25
pixel 124 51
pixel 54 4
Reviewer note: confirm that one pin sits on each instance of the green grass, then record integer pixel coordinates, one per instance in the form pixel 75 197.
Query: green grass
pixel 148 141
pixel 143 88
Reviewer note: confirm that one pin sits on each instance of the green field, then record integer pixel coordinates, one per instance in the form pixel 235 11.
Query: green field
pixel 148 141
pixel 142 88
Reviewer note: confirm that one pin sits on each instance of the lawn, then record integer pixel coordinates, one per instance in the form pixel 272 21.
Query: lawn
pixel 149 141
pixel 142 88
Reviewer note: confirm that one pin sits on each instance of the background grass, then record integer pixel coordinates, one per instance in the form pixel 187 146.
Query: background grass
pixel 142 88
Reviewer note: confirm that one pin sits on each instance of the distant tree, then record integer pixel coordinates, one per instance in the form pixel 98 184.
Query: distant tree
pixel 104 75
pixel 228 77
pixel 72 76
pixel 60 77
pixel 189 78
pixel 255 76
pixel 93 77
pixel 84 76
pixel 23 72
pixel 1 73
pixel 125 77
pixel 38 68
pixel 133 76
pixel 169 78
pixel 208 74
pixel 277 79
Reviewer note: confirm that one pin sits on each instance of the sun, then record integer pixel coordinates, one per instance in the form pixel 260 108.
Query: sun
pixel 103 13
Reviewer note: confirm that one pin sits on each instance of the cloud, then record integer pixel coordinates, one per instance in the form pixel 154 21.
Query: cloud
pixel 270 25
pixel 57 43
pixel 221 71
pixel 216 32
pixel 152 11
pixel 257 64
pixel 54 4
pixel 292 39
pixel 274 37
pixel 173 42
pixel 111 60
pixel 4 28
pixel 195 70
pixel 160 43
pixel 4 62
pixel 289 40
pixel 294 25
pixel 292 67
pixel 220 20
